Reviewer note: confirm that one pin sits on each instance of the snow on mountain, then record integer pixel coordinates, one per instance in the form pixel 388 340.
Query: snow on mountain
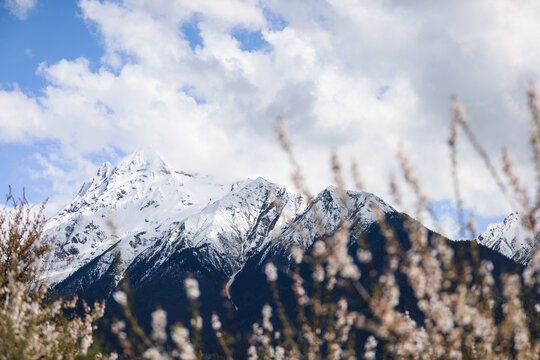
pixel 510 238
pixel 328 211
pixel 131 205
pixel 234 226
pixel 149 212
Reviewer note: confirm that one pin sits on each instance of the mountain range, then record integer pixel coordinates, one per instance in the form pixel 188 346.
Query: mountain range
pixel 143 221
pixel 142 209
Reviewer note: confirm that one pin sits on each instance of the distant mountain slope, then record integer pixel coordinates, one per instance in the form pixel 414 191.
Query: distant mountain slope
pixel 510 238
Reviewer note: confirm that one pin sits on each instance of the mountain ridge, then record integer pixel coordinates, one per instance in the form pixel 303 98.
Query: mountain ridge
pixel 510 238
pixel 143 206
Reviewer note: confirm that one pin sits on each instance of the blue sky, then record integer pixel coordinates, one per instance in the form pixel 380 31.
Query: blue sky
pixel 360 78
pixel 53 30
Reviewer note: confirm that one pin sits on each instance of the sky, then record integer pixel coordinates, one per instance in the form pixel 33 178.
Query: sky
pixel 202 83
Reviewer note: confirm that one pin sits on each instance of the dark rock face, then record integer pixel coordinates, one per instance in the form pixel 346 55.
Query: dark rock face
pixel 94 281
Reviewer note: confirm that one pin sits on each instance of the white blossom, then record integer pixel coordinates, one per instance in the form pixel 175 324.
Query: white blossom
pixel 271 272
pixel 192 288
pixel 159 323
pixel 120 297
pixel 216 324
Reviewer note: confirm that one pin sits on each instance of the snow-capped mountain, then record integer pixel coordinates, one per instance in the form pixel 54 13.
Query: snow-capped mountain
pixel 232 228
pixel 144 222
pixel 144 211
pixel 130 205
pixel 510 238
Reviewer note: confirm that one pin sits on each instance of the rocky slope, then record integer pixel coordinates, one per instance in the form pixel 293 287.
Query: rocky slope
pixel 510 238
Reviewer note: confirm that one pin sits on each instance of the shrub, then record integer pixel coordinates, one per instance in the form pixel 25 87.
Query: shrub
pixel 32 326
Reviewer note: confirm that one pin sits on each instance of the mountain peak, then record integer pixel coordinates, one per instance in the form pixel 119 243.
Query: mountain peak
pixel 510 238
pixel 105 170
pixel 141 160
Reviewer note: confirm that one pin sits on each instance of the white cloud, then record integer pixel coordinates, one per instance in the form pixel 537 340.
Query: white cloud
pixel 21 116
pixel 20 8
pixel 323 74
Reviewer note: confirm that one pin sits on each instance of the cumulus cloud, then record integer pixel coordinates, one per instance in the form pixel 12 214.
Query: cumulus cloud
pixel 20 8
pixel 360 77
